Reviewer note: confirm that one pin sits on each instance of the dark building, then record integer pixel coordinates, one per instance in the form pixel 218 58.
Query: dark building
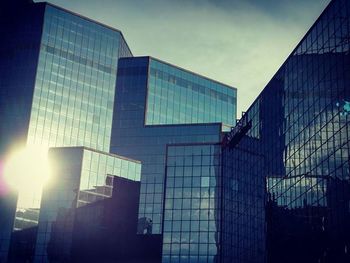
pixel 22 245
pixel 310 215
pixel 8 211
pixel 111 226
pixel 192 229
pixel 101 231
pixel 82 178
pixel 297 133
pixel 243 213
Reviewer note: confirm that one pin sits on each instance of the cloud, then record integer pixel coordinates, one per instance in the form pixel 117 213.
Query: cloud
pixel 238 42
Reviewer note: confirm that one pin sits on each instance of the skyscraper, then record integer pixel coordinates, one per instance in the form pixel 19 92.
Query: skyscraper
pixel 57 83
pixel 66 70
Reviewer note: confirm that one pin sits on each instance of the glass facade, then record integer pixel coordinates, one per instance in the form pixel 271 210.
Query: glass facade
pixel 214 205
pixel 177 96
pixel 57 84
pixel 298 192
pixel 75 82
pixel 81 176
pixel 73 99
pixel 192 205
pixel 316 210
pixel 243 203
pixel 274 188
pixel 147 143
pixel 299 127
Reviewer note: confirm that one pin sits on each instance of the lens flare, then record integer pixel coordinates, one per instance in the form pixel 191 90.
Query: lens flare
pixel 3 186
pixel 27 171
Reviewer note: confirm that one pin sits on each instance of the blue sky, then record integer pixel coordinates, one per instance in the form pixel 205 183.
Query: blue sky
pixel 238 42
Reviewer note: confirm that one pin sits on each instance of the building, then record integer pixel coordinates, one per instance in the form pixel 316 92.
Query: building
pixel 297 130
pixel 308 214
pixel 82 182
pixel 8 211
pixel 110 225
pixel 243 216
pixel 159 104
pixel 192 225
pixel 83 179
pixel 273 188
pixel 68 67
pixel 57 84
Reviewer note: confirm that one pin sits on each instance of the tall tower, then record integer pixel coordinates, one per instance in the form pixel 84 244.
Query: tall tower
pixel 58 74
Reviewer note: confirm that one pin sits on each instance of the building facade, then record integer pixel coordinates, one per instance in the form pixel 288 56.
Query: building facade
pixel 192 226
pixel 81 177
pixel 57 84
pixel 297 131
pixel 110 225
pixel 157 104
pixel 274 188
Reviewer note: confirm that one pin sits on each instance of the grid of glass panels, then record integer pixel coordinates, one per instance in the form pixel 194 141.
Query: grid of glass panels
pixel 177 96
pixel 243 211
pixel 147 143
pixel 298 192
pixel 192 204
pixel 299 126
pixel 75 168
pixel 98 170
pixel 75 82
pixel 58 73
pixel 73 92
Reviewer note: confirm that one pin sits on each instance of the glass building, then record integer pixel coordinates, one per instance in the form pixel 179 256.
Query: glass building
pixel 273 188
pixel 297 133
pixel 69 65
pixel 176 96
pixel 57 84
pixel 214 205
pixel 72 103
pixel 192 226
pixel 243 201
pixel 158 104
pixel 75 81
pixel 81 177
pixel 69 97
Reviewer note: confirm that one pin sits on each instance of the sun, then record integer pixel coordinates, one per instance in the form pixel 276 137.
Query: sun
pixel 27 170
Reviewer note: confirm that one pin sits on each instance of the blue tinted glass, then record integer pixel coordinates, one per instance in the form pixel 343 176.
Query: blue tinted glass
pixel 176 96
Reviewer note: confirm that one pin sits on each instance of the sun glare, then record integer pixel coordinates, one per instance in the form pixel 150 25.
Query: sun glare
pixel 27 170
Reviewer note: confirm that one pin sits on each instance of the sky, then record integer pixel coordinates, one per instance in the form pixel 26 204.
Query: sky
pixel 241 43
